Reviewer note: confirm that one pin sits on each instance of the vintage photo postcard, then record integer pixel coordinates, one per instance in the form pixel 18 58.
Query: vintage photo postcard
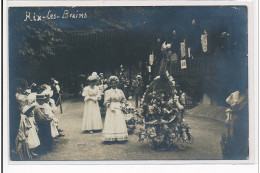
pixel 130 83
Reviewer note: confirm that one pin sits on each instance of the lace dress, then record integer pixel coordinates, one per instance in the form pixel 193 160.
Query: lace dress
pixel 115 126
pixel 91 116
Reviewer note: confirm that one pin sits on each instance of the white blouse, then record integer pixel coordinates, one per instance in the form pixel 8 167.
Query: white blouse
pixel 114 95
pixel 91 93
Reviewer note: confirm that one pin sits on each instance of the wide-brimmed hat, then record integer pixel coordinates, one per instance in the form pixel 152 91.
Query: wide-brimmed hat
pixel 92 78
pixel 27 108
pixel 95 75
pixel 47 92
pixel 138 77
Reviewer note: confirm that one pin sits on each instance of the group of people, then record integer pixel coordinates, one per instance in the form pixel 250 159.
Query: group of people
pixel 38 125
pixel 102 93
pixel 114 128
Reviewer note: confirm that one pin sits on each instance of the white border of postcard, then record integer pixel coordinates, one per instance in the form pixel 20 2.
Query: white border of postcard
pixel 189 165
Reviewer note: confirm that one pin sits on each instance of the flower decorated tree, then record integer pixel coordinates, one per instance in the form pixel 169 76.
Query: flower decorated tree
pixel 162 112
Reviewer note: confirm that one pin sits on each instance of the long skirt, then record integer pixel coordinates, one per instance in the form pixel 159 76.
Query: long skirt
pixel 115 126
pixel 21 141
pixel 45 136
pixel 33 139
pixel 91 116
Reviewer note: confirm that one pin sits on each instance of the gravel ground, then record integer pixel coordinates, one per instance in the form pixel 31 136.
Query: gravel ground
pixel 76 145
pixel 209 111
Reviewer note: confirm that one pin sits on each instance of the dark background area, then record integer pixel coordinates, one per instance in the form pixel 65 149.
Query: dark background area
pixel 111 36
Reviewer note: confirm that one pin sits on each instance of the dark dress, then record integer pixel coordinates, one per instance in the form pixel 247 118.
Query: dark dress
pixel 237 144
pixel 14 122
pixel 44 131
pixel 138 90
pixel 56 95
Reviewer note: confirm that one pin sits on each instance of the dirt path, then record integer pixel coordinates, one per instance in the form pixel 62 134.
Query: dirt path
pixel 82 146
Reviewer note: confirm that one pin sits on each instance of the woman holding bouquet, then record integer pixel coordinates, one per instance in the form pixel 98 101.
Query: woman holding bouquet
pixel 91 117
pixel 115 126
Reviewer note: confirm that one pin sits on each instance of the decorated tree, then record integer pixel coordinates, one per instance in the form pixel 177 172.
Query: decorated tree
pixel 162 112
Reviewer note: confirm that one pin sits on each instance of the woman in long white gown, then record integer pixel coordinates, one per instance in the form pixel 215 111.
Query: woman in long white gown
pixel 92 116
pixel 115 126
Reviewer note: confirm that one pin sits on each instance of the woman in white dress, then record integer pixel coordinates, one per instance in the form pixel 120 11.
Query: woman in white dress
pixel 115 126
pixel 91 117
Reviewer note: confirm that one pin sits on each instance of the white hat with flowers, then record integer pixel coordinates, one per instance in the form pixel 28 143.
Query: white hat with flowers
pixel 92 77
pixel 113 78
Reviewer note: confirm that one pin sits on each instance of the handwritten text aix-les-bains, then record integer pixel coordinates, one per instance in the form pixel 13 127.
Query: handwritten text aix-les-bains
pixel 29 16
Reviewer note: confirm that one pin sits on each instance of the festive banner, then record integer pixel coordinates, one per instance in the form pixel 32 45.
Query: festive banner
pixel 183 64
pixel 151 59
pixel 149 69
pixel 189 55
pixel 204 41
pixel 183 53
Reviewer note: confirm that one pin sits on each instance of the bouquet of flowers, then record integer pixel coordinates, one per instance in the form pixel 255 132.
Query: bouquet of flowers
pixel 131 116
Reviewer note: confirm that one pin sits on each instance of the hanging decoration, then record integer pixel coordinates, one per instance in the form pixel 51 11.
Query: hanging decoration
pixel 151 59
pixel 204 41
pixel 183 64
pixel 193 22
pixel 189 55
pixel 149 69
pixel 183 51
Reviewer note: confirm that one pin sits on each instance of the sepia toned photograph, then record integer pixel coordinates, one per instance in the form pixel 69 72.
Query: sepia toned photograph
pixel 128 83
